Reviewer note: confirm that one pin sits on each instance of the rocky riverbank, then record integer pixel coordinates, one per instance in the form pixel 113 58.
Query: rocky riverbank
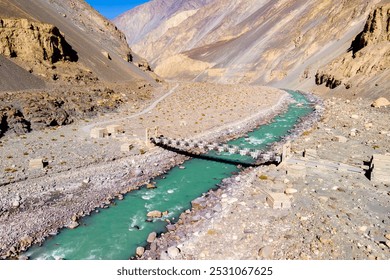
pixel 41 205
pixel 333 214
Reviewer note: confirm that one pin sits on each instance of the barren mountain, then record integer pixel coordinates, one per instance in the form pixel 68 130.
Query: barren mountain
pixel 36 34
pixel 67 62
pixel 154 16
pixel 280 43
pixel 368 59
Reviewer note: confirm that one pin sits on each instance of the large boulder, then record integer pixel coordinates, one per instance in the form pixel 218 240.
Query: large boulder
pixel 380 102
pixel 155 214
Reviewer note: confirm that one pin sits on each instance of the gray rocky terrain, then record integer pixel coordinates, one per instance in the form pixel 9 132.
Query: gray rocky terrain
pixel 333 214
pixel 67 76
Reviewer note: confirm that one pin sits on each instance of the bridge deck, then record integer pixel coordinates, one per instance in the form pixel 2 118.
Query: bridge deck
pixel 259 155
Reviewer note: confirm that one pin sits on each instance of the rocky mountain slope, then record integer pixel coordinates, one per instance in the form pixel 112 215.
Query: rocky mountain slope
pixel 67 62
pixel 368 59
pixel 280 43
pixel 37 34
pixel 154 16
pixel 25 80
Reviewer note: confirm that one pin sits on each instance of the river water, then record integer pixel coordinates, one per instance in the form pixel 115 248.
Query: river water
pixel 116 232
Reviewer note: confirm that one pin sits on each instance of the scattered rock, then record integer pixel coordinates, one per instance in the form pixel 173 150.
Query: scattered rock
pixel 138 172
pixel 324 199
pixel 355 117
pixel 173 252
pixel 196 218
pixel 153 247
pixel 165 213
pixel 266 252
pixel 198 203
pixel 151 186
pixel 290 191
pixel 171 227
pixel 368 125
pixel 340 139
pixel 26 241
pixel 106 55
pixel 73 225
pixel 363 228
pixel 164 256
pixel 387 236
pixel 15 203
pixel 380 102
pixel 140 251
pixel 151 237
pixel 154 214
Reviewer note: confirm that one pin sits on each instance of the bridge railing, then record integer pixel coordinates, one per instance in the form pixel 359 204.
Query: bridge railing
pixel 212 146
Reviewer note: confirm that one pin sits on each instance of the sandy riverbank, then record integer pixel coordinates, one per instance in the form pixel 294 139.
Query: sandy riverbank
pixel 84 173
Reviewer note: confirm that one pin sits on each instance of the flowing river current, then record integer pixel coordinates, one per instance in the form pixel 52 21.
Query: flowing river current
pixel 116 232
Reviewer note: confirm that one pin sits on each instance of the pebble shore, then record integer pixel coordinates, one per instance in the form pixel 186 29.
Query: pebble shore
pixel 45 204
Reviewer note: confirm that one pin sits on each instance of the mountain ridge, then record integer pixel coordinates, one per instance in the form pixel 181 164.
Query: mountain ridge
pixel 278 43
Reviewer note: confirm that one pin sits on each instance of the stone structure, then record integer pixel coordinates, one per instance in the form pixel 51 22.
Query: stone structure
pixel 36 163
pixel 380 168
pixel 151 133
pixel 114 129
pixel 310 154
pixel 127 147
pixel 98 132
pixel 286 151
pixel 278 201
pixel 296 171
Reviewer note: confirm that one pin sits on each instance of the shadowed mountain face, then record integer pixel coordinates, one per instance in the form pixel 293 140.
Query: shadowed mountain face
pixel 91 40
pixel 281 43
pixel 15 78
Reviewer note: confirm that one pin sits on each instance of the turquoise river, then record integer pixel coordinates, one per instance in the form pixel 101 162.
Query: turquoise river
pixel 116 232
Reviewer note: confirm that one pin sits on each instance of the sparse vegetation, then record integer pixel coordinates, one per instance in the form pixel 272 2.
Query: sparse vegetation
pixel 10 170
pixel 263 177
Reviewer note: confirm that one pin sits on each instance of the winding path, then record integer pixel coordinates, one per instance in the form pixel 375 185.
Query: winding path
pixel 87 128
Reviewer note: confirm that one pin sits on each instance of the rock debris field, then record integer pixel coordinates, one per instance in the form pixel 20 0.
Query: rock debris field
pixel 333 214
pixel 79 173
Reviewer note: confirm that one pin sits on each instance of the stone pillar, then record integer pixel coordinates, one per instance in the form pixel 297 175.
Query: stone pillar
pixel 286 153
pixel 147 135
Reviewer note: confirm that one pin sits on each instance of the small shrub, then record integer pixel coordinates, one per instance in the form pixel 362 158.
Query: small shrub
pixel 10 170
pixel 263 177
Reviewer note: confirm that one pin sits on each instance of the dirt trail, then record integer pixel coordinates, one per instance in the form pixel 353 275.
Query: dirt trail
pixel 149 108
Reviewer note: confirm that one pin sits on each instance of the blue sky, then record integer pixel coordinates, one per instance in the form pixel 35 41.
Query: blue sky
pixel 113 8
